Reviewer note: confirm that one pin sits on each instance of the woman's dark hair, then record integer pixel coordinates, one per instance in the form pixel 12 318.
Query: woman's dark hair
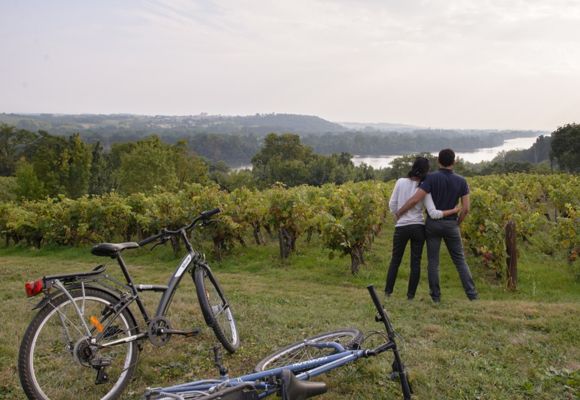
pixel 419 169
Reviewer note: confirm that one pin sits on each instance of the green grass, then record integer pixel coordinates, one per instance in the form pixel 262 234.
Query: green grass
pixel 522 345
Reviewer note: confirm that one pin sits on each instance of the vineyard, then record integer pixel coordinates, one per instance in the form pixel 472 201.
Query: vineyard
pixel 347 218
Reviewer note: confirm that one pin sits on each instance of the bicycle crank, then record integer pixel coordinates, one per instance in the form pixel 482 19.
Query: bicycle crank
pixel 159 331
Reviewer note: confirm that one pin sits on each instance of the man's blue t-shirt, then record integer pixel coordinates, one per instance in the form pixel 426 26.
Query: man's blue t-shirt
pixel 445 187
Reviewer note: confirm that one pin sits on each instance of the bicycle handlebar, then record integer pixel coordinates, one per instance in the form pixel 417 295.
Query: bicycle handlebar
pixel 381 314
pixel 149 239
pixel 205 215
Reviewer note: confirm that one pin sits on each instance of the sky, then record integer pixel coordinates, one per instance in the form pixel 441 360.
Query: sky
pixel 481 64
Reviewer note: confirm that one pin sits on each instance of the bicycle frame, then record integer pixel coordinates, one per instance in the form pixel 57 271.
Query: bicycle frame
pixel 266 381
pixel 190 261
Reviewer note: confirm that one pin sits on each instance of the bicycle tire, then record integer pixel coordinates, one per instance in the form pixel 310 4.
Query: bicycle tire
pixel 216 310
pixel 299 352
pixel 50 366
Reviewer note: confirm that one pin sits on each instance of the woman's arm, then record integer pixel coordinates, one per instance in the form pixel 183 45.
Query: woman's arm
pixel 433 212
pixel 393 204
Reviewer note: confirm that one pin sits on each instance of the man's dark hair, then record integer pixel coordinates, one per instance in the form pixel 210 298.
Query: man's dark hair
pixel 446 157
pixel 419 169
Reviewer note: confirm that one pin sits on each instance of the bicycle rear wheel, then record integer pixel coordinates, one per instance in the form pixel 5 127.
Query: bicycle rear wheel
pixel 300 351
pixel 216 309
pixel 58 359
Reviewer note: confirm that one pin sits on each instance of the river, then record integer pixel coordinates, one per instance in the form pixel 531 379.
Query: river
pixel 483 154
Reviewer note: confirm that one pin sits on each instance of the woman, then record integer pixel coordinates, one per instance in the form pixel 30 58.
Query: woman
pixel 411 226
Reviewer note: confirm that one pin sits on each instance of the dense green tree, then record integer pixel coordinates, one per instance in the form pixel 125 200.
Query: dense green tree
pixel 101 179
pixel 282 159
pixel 79 167
pixel 566 147
pixel 13 145
pixel 188 167
pixel 118 150
pixel 7 188
pixel 286 147
pixel 344 171
pixel 28 185
pixel 50 160
pixel 151 163
pixel 322 170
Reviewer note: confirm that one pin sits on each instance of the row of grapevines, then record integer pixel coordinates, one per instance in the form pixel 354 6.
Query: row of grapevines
pixel 354 210
pixel 544 208
pixel 347 217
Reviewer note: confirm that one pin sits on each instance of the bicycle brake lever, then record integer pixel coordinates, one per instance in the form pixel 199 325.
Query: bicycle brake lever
pixel 162 241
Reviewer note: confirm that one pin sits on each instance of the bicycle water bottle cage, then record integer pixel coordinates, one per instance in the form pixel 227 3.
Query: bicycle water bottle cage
pixel 112 249
pixel 295 389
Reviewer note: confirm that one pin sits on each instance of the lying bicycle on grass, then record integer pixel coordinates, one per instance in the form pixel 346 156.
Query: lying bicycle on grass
pixel 288 370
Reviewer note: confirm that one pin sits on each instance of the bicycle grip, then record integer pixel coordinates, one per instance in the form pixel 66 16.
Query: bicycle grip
pixel 149 240
pixel 374 297
pixel 209 213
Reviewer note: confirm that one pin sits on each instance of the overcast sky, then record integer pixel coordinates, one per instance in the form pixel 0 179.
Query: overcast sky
pixel 444 63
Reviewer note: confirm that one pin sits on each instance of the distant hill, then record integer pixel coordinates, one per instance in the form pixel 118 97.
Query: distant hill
pixel 130 125
pixel 107 125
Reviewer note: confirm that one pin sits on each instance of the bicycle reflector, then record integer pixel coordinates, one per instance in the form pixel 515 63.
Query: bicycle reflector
pixel 33 287
pixel 96 323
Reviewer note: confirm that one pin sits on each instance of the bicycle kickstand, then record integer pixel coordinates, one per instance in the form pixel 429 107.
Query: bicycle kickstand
pixel 217 358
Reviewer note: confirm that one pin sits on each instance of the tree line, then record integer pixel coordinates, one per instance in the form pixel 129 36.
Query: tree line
pixel 235 139
pixel 39 164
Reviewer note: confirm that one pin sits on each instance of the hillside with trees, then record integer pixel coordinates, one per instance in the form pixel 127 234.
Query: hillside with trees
pixel 235 139
pixel 39 164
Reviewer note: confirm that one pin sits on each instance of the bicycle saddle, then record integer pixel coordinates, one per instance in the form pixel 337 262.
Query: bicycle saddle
pixel 112 249
pixel 295 389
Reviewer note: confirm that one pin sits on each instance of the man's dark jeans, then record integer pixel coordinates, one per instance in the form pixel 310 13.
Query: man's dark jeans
pixel 448 230
pixel 416 234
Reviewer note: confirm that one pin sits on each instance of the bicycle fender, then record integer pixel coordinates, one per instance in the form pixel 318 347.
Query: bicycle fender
pixel 51 296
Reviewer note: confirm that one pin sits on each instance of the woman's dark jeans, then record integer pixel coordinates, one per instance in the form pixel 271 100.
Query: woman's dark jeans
pixel 416 234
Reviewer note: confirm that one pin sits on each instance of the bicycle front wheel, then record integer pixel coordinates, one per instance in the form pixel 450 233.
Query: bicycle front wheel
pixel 59 359
pixel 216 309
pixel 300 351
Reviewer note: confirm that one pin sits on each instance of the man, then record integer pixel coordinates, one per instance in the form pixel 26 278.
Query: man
pixel 446 188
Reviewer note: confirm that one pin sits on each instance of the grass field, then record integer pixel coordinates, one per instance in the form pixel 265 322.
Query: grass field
pixel 523 345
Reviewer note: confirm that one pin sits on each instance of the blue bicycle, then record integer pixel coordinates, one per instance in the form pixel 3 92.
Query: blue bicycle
pixel 288 370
